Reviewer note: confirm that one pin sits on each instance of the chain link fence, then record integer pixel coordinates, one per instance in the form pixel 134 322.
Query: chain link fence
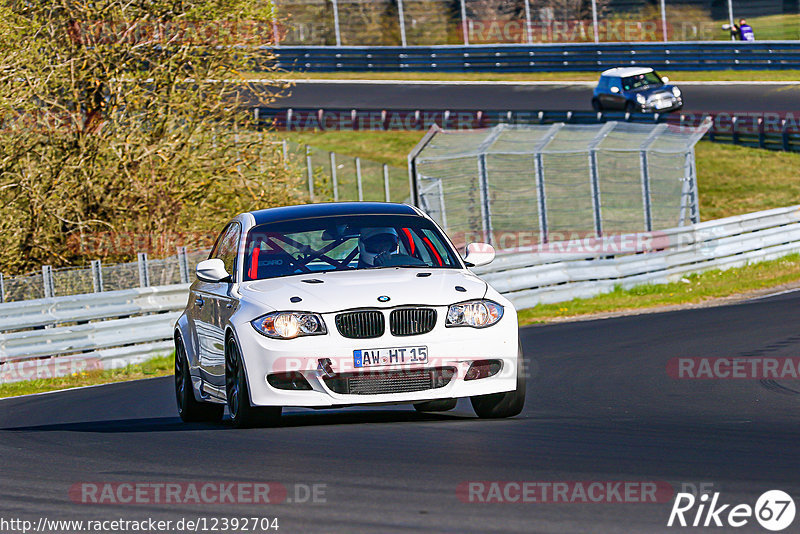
pixel 543 183
pixel 441 22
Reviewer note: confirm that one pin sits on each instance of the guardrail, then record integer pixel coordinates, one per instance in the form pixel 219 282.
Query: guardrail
pixel 581 268
pixel 63 335
pixel 704 55
pixel 763 130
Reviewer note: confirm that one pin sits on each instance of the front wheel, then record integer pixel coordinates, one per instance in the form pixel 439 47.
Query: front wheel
pixel 190 409
pixel 507 404
pixel 596 105
pixel 243 415
pixel 631 107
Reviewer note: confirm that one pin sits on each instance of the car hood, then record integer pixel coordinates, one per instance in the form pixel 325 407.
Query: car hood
pixel 343 290
pixel 654 90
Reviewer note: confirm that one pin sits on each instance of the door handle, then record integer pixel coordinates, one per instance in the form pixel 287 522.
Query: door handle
pixel 199 301
pixel 229 305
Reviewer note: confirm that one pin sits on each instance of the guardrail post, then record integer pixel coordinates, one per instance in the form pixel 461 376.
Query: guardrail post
pixel 386 182
pixel 144 272
pixel 486 213
pixel 785 135
pixel 358 180
pixel 183 265
pixel 333 177
pixel 47 281
pixel 97 276
pixel 2 288
pixel 285 154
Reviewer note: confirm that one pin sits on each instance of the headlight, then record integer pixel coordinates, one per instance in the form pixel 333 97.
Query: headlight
pixel 641 99
pixel 676 92
pixel 476 313
pixel 288 325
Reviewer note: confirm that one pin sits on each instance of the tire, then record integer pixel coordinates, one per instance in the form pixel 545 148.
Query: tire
pixel 243 415
pixel 596 105
pixel 190 409
pixel 500 405
pixel 630 107
pixel 441 405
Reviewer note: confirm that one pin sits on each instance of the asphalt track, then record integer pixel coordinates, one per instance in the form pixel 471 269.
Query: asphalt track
pixel 698 97
pixel 600 407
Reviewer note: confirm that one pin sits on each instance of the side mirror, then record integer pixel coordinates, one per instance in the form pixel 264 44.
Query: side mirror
pixel 615 89
pixel 665 79
pixel 212 270
pixel 479 254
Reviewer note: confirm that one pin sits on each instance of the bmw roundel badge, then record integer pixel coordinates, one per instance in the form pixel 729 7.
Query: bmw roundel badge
pixel 383 298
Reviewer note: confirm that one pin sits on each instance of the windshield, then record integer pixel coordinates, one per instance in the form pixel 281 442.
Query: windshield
pixel 345 243
pixel 641 81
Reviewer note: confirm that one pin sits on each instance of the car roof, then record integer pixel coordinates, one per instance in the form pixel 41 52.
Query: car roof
pixel 329 209
pixel 623 72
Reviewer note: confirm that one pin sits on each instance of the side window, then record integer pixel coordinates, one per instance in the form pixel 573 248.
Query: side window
pixel 603 83
pixel 226 247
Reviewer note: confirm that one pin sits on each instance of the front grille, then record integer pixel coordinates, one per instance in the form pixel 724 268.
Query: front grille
pixel 384 382
pixel 412 321
pixel 361 324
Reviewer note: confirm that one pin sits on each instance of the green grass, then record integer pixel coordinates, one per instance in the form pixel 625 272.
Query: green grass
pixel 674 76
pixel 776 27
pixel 692 289
pixel 159 366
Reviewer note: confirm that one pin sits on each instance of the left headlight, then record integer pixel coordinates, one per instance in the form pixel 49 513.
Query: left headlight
pixel 289 325
pixel 676 92
pixel 475 313
pixel 640 98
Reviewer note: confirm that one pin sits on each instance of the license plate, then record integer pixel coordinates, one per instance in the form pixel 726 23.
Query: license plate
pixel 389 356
pixel 661 104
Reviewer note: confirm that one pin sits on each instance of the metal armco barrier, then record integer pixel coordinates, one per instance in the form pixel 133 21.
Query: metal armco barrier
pixel 776 131
pixel 701 55
pixel 65 335
pixel 584 267
pixel 62 335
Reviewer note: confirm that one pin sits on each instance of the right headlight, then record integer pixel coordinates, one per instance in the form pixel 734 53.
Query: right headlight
pixel 676 92
pixel 475 313
pixel 640 98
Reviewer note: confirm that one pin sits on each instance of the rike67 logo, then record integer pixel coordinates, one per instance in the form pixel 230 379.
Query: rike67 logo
pixel 774 510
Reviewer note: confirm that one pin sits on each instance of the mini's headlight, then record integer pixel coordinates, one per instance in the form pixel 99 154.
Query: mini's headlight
pixel 640 98
pixel 475 313
pixel 288 325
pixel 676 92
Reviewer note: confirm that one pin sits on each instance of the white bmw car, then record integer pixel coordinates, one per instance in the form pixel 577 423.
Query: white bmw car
pixel 342 304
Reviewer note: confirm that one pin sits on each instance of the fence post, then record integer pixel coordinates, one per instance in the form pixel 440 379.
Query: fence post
pixel 594 22
pixel 593 174
pixel 2 289
pixel 97 276
pixel 358 180
pixel 144 274
pixel 333 177
pixel 464 29
pixel 401 15
pixel 285 154
pixel 540 197
pixel 386 182
pixel 47 281
pixel 528 28
pixel 336 22
pixel 664 20
pixel 486 214
pixel 310 171
pixel 644 171
pixel 183 265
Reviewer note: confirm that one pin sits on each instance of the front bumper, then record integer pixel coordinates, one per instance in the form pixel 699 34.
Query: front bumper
pixel 454 348
pixel 673 104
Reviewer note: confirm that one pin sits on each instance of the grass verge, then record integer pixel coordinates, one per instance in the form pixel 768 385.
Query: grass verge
pixel 691 289
pixel 674 76
pixel 160 366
